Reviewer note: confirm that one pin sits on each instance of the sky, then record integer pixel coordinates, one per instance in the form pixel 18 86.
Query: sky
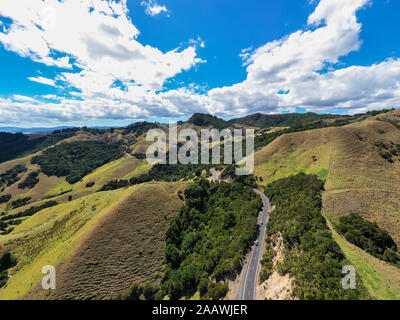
pixel 113 62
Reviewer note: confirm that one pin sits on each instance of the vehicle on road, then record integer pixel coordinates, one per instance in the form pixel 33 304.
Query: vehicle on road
pixel 256 243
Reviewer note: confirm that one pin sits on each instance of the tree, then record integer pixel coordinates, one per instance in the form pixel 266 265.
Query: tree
pixel 173 255
pixel 133 293
pixel 149 291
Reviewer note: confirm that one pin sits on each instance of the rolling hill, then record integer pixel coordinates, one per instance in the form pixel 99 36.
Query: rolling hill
pixel 359 179
pixel 103 242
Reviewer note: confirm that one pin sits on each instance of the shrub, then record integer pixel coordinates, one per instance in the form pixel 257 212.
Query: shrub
pixel 217 291
pixel 149 291
pixel 115 184
pixel 5 198
pixel 11 176
pixel 30 181
pixel 20 202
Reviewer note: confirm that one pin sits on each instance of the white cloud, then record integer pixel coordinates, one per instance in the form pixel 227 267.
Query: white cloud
pixel 298 66
pixel 97 42
pixel 152 8
pixel 43 80
pixel 112 75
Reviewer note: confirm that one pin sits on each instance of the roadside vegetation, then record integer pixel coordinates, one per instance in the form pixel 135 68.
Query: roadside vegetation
pixel 311 256
pixel 207 242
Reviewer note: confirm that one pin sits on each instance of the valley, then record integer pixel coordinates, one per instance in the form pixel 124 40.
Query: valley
pixel 105 242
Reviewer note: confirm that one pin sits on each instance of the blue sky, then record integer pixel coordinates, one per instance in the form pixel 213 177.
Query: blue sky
pixel 123 61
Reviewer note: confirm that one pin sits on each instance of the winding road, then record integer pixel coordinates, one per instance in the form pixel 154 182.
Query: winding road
pixel 248 285
pixel 249 280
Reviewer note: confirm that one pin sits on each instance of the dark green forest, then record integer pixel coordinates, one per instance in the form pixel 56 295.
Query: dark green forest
pixel 15 145
pixel 30 181
pixel 369 237
pixel 7 261
pixel 76 159
pixel 207 242
pixel 11 176
pixel 311 255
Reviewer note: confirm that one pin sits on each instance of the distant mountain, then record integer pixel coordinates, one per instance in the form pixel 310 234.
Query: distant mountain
pixel 31 130
pixel 282 120
pixel 39 129
pixel 205 120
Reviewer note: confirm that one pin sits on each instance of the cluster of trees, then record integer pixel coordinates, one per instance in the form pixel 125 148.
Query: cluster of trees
pixel 282 120
pixel 76 159
pixel 7 261
pixel 11 176
pixel 15 145
pixel 115 184
pixel 206 120
pixel 388 151
pixel 298 123
pixel 137 292
pixel 311 255
pixel 207 242
pixel 139 128
pixel 20 202
pixel 30 181
pixel 369 237
pixel 5 198
pixel 30 211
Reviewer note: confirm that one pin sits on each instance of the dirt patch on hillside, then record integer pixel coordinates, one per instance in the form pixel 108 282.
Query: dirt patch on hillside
pixel 276 287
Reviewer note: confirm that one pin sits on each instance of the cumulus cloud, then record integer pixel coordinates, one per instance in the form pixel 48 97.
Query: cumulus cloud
pixel 153 9
pixel 106 72
pixel 293 71
pixel 43 80
pixel 94 43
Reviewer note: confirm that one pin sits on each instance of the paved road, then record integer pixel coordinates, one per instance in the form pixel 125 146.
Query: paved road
pixel 249 281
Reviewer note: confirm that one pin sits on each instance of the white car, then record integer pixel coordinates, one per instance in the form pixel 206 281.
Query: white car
pixel 257 243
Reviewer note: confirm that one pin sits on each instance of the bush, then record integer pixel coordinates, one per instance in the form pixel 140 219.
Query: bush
pixel 31 211
pixel 149 291
pixel 5 198
pixel 7 261
pixel 30 181
pixel 115 184
pixel 11 176
pixel 217 291
pixel 133 293
pixel 20 202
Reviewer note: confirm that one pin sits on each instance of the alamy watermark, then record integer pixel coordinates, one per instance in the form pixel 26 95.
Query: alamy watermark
pixel 49 280
pixel 186 147
pixel 349 280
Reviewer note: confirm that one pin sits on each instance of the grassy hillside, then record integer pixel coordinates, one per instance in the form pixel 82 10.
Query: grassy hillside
pixel 358 178
pixel 100 243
